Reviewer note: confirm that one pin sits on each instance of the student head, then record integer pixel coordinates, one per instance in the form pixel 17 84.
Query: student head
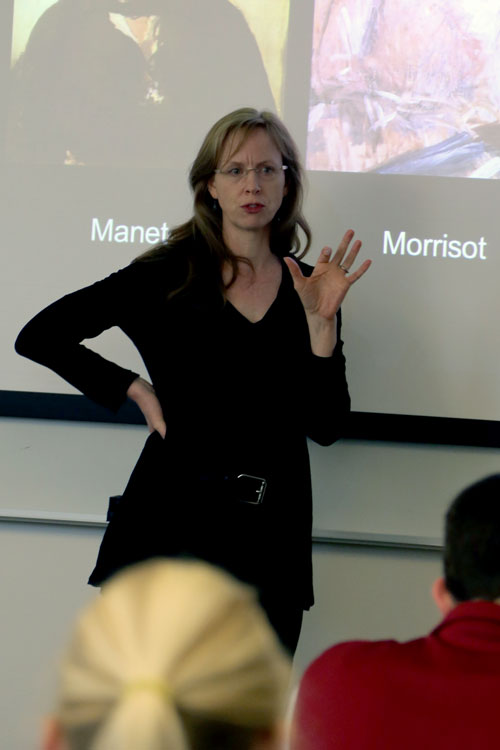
pixel 174 655
pixel 472 546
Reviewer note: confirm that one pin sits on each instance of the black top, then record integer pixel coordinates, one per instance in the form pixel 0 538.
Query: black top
pixel 238 397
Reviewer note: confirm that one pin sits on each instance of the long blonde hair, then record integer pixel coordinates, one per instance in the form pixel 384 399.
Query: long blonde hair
pixel 172 653
pixel 205 227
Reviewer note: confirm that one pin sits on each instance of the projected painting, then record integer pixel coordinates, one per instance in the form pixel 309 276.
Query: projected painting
pixel 405 88
pixel 119 82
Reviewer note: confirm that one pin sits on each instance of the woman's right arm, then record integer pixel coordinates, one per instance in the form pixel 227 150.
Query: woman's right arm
pixel 146 399
pixel 54 336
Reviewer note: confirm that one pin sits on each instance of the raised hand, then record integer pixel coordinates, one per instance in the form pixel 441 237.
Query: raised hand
pixel 324 290
pixel 146 399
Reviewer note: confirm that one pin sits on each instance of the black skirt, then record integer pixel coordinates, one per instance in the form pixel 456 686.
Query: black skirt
pixel 167 511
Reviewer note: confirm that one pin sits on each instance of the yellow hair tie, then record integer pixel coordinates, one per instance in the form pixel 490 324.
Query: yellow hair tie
pixel 157 686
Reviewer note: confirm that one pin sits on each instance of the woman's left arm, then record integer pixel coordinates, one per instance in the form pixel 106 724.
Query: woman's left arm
pixel 323 291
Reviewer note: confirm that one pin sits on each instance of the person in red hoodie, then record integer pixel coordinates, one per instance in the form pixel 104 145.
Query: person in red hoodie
pixel 438 691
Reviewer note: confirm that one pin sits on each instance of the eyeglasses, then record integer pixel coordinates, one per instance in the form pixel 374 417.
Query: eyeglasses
pixel 266 173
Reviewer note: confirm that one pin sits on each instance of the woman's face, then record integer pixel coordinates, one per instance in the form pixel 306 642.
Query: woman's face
pixel 249 201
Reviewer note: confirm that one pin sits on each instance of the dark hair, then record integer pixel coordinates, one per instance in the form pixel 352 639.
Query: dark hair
pixel 206 223
pixel 472 542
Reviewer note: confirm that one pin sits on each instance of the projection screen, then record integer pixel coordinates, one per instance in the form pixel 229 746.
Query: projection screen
pixel 395 107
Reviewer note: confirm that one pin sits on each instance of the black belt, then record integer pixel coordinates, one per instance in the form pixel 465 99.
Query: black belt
pixel 244 488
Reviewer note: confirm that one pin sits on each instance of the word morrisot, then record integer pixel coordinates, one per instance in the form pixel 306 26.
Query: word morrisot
pixel 430 248
pixel 127 233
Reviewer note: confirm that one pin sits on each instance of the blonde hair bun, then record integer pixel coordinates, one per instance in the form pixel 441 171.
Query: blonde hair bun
pixel 166 641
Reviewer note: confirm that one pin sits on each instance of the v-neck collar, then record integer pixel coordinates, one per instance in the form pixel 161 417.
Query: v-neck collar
pixel 284 272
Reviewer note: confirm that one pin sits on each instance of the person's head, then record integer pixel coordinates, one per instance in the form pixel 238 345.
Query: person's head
pixel 173 655
pixel 224 139
pixel 472 546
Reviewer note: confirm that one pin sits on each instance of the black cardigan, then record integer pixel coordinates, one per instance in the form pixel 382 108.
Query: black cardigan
pixel 238 397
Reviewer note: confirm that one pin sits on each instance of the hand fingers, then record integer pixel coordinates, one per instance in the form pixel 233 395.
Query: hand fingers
pixel 355 275
pixel 153 414
pixel 349 259
pixel 295 272
pixel 342 248
pixel 162 429
pixel 159 427
pixel 324 256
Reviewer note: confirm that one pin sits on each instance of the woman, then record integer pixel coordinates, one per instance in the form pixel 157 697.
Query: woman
pixel 232 329
pixel 173 655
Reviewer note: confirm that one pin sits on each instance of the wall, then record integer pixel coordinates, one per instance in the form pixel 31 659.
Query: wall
pixel 361 591
pixel 394 491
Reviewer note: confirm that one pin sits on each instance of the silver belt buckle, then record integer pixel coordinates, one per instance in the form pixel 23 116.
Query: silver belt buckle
pixel 256 487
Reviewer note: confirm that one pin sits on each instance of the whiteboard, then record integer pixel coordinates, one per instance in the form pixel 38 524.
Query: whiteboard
pixel 364 491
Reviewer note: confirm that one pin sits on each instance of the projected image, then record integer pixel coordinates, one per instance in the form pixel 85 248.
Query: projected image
pixel 99 82
pixel 405 88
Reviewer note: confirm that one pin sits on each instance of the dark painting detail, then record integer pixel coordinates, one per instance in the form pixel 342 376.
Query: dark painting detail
pixel 103 82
